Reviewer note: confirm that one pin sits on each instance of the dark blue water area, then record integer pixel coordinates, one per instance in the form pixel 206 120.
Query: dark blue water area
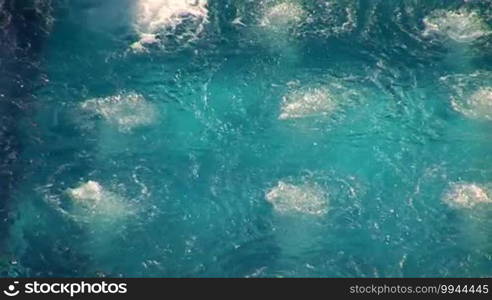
pixel 277 138
pixel 22 31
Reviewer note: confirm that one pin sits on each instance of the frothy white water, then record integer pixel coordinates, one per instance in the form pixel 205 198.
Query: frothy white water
pixel 306 198
pixel 462 26
pixel 466 195
pixel 278 27
pixel 89 193
pixel 471 94
pixel 103 213
pixel 155 18
pixel 126 111
pixel 307 102
pixel 94 204
pixel 282 16
pixel 477 106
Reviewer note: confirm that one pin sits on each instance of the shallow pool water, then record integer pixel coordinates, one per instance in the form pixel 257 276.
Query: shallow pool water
pixel 274 138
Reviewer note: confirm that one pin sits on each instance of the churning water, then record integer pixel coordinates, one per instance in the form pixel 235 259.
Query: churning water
pixel 265 138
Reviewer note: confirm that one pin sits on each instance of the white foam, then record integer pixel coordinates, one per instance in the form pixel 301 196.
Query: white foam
pixel 154 18
pixel 462 26
pixel 306 198
pixel 306 102
pixel 92 201
pixel 282 16
pixel 471 93
pixel 89 193
pixel 466 195
pixel 126 111
pixel 477 106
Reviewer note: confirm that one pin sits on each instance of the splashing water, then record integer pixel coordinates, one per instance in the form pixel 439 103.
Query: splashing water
pixel 466 195
pixel 306 198
pixel 92 196
pixel 251 138
pixel 462 26
pixel 479 105
pixel 307 102
pixel 155 20
pixel 126 111
pixel 471 94
pixel 282 16
pixel 89 193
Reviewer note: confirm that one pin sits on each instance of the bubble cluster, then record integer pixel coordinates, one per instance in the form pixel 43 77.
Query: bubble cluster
pixel 89 193
pixel 307 198
pixel 478 105
pixel 307 102
pixel 126 111
pixel 155 20
pixel 93 203
pixel 466 195
pixel 282 16
pixel 462 26
pixel 471 94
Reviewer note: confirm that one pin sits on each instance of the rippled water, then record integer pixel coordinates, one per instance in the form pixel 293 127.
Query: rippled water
pixel 252 138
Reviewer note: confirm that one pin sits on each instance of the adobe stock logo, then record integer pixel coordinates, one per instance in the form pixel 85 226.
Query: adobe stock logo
pixel 11 290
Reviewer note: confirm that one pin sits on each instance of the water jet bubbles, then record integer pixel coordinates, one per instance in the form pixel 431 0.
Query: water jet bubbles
pixel 126 111
pixel 466 195
pixel 103 213
pixel 94 204
pixel 282 16
pixel 471 94
pixel 307 102
pixel 278 24
pixel 307 198
pixel 462 26
pixel 163 22
pixel 89 193
pixel 478 105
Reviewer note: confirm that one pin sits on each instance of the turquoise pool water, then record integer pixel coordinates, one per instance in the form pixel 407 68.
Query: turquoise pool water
pixel 278 138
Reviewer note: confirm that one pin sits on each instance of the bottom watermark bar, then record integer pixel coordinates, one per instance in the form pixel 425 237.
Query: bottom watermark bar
pixel 131 288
